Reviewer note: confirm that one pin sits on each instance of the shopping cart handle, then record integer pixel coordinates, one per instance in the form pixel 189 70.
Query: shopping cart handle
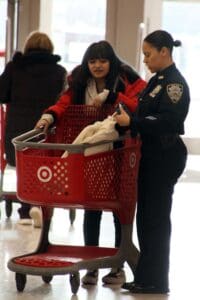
pixel 29 137
pixel 35 139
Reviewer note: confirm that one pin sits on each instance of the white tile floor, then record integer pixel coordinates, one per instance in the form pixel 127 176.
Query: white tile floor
pixel 185 248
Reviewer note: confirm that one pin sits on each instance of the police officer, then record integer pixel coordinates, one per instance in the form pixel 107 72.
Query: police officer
pixel 159 120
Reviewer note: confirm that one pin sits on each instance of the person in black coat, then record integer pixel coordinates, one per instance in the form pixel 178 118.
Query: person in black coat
pixel 159 121
pixel 31 81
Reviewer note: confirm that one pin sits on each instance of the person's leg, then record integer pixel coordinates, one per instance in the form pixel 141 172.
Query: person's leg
pixel 116 275
pixel 24 210
pixel 91 231
pixel 36 215
pixel 154 230
pixel 30 215
pixel 24 216
pixel 157 178
pixel 91 227
pixel 117 225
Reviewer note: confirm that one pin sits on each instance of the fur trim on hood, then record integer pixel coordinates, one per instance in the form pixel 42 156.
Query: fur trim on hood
pixel 35 56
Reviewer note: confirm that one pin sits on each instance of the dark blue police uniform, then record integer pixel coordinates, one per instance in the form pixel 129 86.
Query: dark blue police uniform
pixel 159 121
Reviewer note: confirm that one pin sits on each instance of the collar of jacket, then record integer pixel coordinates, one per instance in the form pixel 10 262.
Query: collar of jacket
pixel 164 73
pixel 35 56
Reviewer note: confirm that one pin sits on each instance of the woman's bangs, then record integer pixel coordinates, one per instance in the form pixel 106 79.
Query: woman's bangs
pixel 98 53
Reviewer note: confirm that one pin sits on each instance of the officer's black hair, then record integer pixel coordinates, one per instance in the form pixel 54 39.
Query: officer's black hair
pixel 160 39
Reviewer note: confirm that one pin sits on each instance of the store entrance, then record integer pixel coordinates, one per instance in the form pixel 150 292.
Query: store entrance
pixel 181 19
pixel 3 17
pixel 8 30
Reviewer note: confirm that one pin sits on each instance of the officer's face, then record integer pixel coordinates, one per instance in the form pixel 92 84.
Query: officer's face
pixel 153 58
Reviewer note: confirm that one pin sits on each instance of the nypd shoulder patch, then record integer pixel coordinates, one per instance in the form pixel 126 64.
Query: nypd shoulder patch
pixel 175 91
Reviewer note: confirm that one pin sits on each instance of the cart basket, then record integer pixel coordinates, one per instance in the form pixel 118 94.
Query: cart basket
pixel 104 181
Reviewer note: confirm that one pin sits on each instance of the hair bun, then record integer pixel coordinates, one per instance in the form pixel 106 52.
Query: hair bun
pixel 177 43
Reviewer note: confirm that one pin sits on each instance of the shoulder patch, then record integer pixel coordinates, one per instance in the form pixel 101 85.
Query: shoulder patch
pixel 175 91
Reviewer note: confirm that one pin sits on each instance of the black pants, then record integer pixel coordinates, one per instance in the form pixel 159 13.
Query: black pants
pixel 158 174
pixel 91 228
pixel 24 210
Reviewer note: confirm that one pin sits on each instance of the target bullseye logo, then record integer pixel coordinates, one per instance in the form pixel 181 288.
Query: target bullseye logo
pixel 132 160
pixel 44 174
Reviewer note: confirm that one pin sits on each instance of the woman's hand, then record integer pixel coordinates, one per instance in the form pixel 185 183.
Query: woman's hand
pixel 101 98
pixel 97 101
pixel 42 124
pixel 123 119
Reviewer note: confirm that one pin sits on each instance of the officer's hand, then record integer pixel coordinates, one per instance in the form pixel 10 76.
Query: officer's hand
pixel 122 118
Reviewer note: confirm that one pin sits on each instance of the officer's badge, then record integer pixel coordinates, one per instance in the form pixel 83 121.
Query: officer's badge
pixel 155 91
pixel 175 91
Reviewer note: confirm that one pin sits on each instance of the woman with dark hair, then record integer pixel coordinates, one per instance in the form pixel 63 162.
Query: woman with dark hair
pixel 102 78
pixel 31 81
pixel 159 120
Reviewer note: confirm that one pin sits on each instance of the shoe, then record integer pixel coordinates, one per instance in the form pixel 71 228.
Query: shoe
pixel 36 214
pixel 115 276
pixel 128 285
pixel 91 277
pixel 139 289
pixel 25 221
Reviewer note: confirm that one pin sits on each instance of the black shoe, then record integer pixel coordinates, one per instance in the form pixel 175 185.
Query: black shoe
pixel 139 289
pixel 128 285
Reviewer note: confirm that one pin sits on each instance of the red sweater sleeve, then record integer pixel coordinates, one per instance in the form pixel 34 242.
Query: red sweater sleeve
pixel 129 97
pixel 60 106
pixel 131 93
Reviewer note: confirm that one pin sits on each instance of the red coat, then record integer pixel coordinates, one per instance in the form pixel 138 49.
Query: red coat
pixel 128 97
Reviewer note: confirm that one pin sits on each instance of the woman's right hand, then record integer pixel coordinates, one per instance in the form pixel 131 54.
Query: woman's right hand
pixel 42 124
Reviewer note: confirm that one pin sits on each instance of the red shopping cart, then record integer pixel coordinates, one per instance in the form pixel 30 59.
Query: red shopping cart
pixel 104 181
pixel 8 176
pixel 8 173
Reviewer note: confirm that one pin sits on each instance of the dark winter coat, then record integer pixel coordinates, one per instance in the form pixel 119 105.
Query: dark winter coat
pixel 30 83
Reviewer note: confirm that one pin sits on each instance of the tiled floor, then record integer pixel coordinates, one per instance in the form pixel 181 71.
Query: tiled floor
pixel 185 248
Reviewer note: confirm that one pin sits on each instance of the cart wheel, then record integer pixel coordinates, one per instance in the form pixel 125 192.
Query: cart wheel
pixel 75 282
pixel 47 279
pixel 72 215
pixel 20 281
pixel 8 207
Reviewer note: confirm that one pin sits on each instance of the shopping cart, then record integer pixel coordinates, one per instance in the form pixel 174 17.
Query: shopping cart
pixel 7 172
pixel 8 176
pixel 102 181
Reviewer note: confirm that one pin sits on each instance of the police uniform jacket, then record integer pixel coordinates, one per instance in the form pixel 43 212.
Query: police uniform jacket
pixel 162 109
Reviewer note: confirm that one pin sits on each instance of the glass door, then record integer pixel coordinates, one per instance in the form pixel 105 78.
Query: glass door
pixel 3 18
pixel 75 25
pixel 181 19
pixel 8 30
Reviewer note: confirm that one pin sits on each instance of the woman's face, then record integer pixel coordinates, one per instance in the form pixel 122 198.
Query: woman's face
pixel 99 67
pixel 153 58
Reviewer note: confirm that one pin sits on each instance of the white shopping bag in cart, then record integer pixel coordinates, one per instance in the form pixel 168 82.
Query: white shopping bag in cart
pixel 97 132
